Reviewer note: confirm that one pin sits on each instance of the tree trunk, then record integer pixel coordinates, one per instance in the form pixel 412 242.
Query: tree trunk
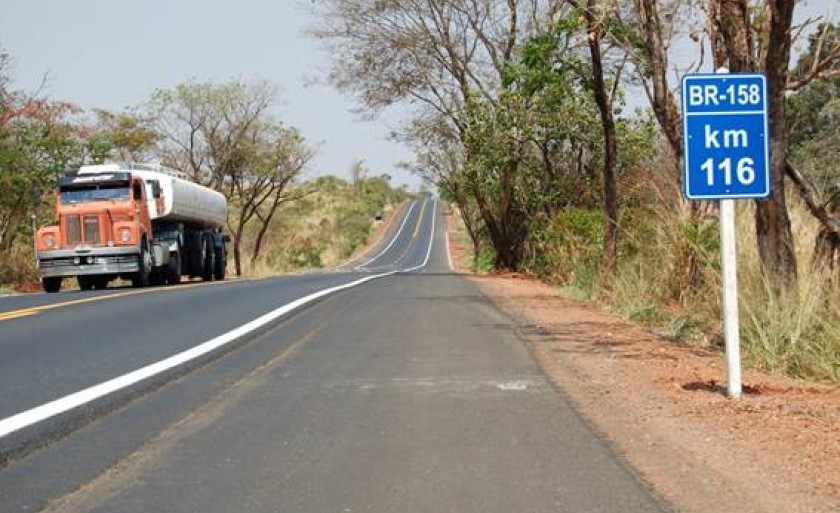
pixel 237 246
pixel 772 224
pixel 264 224
pixel 664 104
pixel 602 98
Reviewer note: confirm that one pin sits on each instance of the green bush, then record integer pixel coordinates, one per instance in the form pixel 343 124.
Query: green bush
pixel 567 250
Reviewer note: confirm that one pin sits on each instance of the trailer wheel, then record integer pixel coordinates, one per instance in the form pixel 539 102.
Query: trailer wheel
pixel 173 271
pixel 141 277
pixel 52 284
pixel 207 272
pixel 220 264
pixel 157 278
pixel 85 282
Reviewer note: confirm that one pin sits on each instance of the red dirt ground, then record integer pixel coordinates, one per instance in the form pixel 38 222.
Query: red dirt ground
pixel 662 407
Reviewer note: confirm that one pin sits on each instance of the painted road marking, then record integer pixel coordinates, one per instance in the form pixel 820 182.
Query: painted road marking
pixel 45 411
pixel 420 220
pixel 396 236
pixel 431 243
pixel 17 313
pixel 25 312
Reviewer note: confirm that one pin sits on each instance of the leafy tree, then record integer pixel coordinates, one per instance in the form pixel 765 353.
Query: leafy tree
pixel 126 136
pixel 814 135
pixel 224 136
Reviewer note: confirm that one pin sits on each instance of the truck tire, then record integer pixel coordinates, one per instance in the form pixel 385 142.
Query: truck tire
pixel 100 283
pixel 51 285
pixel 141 277
pixel 219 266
pixel 208 253
pixel 173 270
pixel 85 282
pixel 157 278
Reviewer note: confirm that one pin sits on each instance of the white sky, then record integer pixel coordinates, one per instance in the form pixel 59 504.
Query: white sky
pixel 113 54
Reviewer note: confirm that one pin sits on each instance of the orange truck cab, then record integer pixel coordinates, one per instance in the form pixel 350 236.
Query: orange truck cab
pixel 132 221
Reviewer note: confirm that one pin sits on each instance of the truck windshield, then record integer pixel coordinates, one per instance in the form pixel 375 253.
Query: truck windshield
pixel 90 193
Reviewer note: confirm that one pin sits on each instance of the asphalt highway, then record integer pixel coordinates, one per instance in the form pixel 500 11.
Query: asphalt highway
pixel 388 384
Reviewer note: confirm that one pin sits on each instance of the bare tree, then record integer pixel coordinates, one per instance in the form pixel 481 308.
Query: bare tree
pixel 595 16
pixel 764 44
pixel 223 136
pixel 435 56
pixel 203 124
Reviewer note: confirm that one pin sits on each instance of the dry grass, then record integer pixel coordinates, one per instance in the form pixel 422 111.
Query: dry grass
pixel 796 335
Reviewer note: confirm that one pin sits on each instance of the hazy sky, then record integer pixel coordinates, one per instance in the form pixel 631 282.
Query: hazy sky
pixel 113 54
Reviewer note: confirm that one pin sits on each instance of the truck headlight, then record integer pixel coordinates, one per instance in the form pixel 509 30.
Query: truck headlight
pixel 49 241
pixel 125 235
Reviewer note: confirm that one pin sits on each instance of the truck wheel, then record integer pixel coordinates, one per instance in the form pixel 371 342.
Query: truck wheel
pixel 157 278
pixel 52 284
pixel 85 282
pixel 207 271
pixel 100 283
pixel 141 277
pixel 220 264
pixel 173 271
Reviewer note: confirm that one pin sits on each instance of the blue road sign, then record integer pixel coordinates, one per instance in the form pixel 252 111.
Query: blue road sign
pixel 725 136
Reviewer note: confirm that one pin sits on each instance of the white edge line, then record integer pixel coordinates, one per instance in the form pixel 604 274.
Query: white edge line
pixel 394 239
pixel 39 413
pixel 449 252
pixel 431 242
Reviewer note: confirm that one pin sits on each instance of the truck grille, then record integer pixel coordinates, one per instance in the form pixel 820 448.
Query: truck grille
pixel 74 230
pixel 92 229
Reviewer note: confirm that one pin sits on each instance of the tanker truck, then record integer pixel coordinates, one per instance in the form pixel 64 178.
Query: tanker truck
pixel 139 222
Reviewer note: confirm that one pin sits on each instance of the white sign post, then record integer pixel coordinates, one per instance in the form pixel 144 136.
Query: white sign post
pixel 727 153
pixel 731 329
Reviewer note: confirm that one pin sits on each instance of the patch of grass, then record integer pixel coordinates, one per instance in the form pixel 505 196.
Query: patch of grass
pixel 5 290
pixel 796 335
pixel 321 229
pixel 483 264
pixel 576 292
pixel 649 315
pixel 682 328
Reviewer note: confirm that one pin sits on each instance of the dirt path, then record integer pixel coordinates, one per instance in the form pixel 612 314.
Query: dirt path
pixel 662 407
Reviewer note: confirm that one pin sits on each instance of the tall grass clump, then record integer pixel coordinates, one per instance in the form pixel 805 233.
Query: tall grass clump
pixel 797 333
pixel 668 265
pixel 18 265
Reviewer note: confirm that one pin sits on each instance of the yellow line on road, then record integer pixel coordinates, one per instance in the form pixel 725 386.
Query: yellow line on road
pixel 25 312
pixel 17 313
pixel 420 220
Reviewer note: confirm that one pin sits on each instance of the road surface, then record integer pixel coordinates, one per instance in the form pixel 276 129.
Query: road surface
pixel 389 384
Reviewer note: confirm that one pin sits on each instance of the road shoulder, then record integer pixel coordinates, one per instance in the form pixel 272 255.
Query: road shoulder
pixel 662 407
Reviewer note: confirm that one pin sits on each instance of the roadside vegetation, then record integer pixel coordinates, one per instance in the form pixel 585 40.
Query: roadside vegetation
pixel 332 219
pixel 554 129
pixel 224 135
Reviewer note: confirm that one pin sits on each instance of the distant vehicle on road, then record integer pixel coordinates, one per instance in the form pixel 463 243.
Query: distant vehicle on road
pixel 139 222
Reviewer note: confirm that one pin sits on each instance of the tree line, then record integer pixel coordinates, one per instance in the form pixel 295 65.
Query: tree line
pixel 222 135
pixel 530 113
